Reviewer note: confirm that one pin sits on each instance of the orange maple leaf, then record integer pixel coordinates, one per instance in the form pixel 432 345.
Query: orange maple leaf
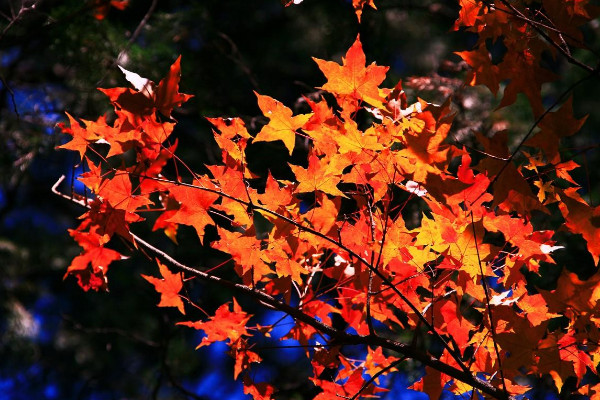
pixel 82 137
pixel 168 287
pixel 352 78
pixel 316 177
pixel 282 125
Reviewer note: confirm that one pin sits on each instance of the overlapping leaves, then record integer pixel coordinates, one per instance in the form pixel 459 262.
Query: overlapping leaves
pixel 347 250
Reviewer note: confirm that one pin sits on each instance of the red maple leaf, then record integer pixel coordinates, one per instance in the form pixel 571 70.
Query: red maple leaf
pixel 168 287
pixel 90 267
pixel 224 325
pixel 167 93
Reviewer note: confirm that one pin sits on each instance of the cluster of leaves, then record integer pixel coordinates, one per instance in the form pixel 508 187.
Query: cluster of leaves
pixel 333 248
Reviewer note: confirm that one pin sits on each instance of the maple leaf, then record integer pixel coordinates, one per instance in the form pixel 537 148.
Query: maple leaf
pixel 243 357
pixel 282 125
pixel 118 192
pixel 525 77
pixel 194 204
pixel 245 251
pixel 231 136
pixel 110 220
pixel 352 78
pixel 82 137
pixel 130 105
pixel 317 177
pixel 280 252
pixel 226 324
pixel 469 11
pixel 168 287
pixel 398 239
pixel 432 383
pixel 167 92
pixel 354 383
pixel 535 309
pixel 101 7
pixel 454 323
pixel 275 196
pixel 554 126
pixel 360 4
pixel 90 267
pixel 562 354
pixel 511 191
pixel 574 293
pixel 259 391
pixel 136 105
pixel 356 141
pixel 482 72
pixel 583 219
pixel 376 360
pixel 170 228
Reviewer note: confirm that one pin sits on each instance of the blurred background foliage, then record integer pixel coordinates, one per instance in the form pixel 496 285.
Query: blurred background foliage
pixel 57 342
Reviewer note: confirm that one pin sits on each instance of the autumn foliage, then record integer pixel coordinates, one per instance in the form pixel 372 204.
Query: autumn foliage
pixel 338 253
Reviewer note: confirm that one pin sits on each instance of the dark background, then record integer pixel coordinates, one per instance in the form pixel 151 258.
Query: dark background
pixel 57 342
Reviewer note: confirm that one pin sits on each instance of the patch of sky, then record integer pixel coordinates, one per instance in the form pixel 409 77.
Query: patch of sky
pixel 399 389
pixel 217 354
pixel 25 384
pixel 101 396
pixel 34 219
pixel 262 372
pixel 217 385
pixel 289 350
pixel 195 43
pixel 7 385
pixel 493 283
pixel 9 56
pixel 41 103
pixel 46 316
pixel 398 65
pixel 51 391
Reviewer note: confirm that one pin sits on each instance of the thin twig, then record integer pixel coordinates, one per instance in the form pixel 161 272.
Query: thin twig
pixel 535 25
pixel 12 96
pixel 535 124
pixel 134 36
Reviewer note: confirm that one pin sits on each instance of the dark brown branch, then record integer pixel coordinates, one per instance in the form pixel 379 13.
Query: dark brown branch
pixel 488 305
pixel 352 253
pixel 338 337
pixel 107 331
pixel 377 375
